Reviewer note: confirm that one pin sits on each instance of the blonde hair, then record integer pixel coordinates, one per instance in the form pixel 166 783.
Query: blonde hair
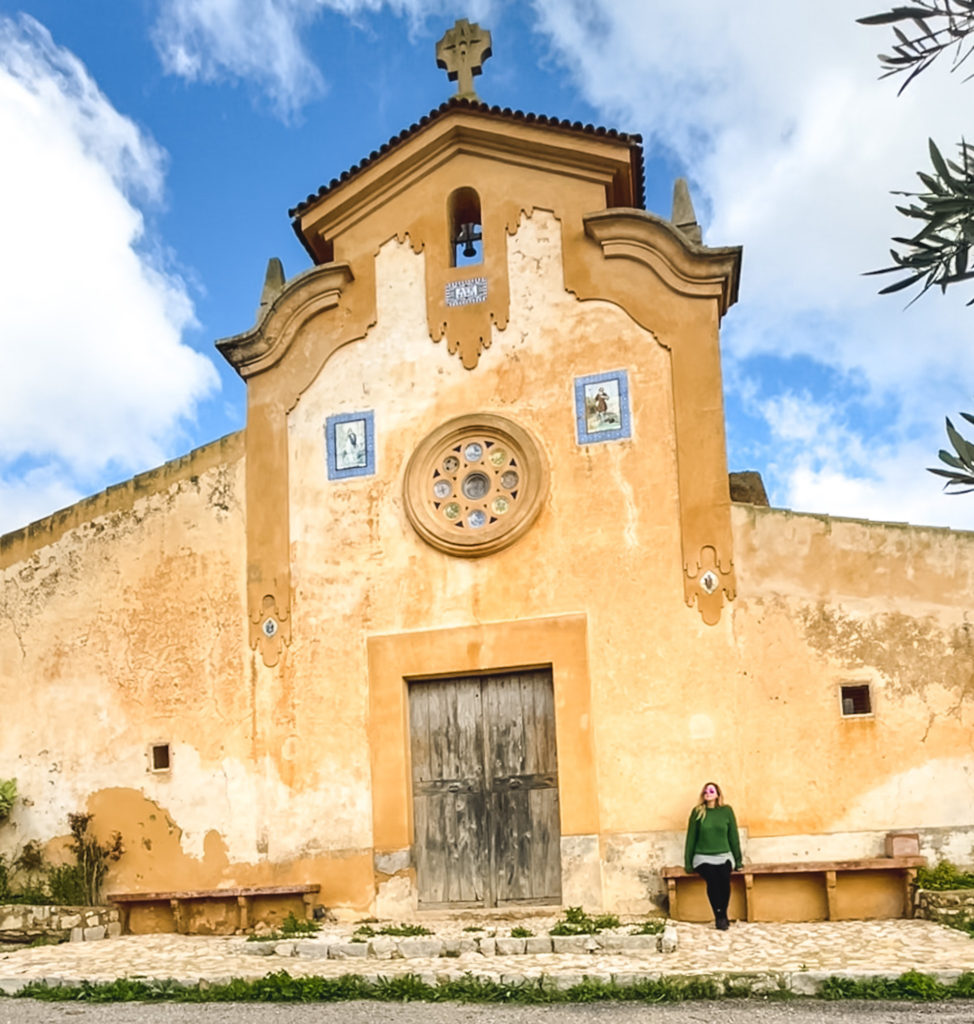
pixel 701 809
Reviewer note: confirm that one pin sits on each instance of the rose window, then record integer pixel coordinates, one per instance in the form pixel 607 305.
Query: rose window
pixel 475 485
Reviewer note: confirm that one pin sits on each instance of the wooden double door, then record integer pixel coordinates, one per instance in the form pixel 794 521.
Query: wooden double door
pixel 485 790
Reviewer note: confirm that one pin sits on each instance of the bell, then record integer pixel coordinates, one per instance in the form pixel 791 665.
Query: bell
pixel 467 235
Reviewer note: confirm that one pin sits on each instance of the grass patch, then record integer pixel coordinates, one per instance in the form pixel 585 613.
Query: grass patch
pixel 577 922
pixel 913 986
pixel 280 987
pixel 521 933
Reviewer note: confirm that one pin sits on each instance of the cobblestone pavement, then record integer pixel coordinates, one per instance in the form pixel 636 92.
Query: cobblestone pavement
pixel 798 951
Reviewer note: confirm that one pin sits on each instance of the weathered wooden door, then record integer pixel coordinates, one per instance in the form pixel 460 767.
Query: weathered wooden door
pixel 485 790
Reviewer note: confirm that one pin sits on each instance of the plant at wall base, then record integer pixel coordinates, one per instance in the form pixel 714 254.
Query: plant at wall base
pixel 943 877
pixel 30 868
pixel 79 884
pixel 8 796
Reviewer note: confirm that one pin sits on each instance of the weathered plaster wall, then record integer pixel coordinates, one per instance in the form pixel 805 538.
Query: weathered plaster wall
pixel 826 602
pixel 121 624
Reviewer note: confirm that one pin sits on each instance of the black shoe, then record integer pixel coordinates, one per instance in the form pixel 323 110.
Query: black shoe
pixel 721 923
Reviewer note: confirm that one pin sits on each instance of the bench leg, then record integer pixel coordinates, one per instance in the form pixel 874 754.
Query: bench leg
pixel 309 905
pixel 909 877
pixel 671 892
pixel 748 896
pixel 830 901
pixel 243 913
pixel 179 917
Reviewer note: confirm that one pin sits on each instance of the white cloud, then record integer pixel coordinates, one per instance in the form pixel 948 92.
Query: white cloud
pixel 261 40
pixel 95 372
pixel 792 145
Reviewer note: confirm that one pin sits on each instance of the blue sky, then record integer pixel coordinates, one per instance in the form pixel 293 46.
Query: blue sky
pixel 152 149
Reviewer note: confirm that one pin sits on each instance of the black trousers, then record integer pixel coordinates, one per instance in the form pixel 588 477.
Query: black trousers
pixel 717 877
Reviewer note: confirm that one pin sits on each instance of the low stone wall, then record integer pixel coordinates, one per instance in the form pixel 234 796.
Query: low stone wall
pixel 27 922
pixel 947 906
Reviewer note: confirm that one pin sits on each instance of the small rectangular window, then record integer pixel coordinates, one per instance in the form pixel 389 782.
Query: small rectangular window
pixel 160 757
pixel 856 701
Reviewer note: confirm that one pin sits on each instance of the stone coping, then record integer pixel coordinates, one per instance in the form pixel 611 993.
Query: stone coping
pixel 387 947
pixel 26 922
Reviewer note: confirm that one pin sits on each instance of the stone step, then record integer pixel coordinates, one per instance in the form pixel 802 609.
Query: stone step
pixel 430 947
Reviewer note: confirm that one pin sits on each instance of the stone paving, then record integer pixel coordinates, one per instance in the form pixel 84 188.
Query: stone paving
pixel 800 955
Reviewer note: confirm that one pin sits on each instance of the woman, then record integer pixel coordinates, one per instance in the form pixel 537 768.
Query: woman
pixel 712 845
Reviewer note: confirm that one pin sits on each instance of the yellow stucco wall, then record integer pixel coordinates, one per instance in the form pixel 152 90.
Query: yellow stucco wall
pixel 125 620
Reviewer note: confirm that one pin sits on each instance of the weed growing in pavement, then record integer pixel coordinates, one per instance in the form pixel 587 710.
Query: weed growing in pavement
pixel 520 932
pixel 366 931
pixel 652 926
pixel 291 928
pixel 577 922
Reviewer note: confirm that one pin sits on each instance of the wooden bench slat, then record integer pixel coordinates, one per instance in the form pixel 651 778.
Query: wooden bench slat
pixel 827 869
pixel 213 894
pixel 812 867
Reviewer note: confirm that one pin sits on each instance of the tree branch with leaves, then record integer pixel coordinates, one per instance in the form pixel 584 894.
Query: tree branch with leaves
pixel 938 254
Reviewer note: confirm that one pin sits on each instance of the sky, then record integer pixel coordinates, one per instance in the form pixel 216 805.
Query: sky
pixel 152 148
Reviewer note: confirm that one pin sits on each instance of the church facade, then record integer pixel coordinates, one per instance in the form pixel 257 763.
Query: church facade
pixel 465 616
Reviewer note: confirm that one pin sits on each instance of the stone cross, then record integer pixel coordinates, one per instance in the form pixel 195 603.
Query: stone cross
pixel 461 53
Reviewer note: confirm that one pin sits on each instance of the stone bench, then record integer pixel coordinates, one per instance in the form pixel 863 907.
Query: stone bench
pixel 836 890
pixel 180 903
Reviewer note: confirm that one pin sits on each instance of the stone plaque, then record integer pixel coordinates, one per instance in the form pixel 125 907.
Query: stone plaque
pixel 466 293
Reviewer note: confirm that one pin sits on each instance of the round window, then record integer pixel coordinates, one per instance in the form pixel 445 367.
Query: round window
pixel 475 485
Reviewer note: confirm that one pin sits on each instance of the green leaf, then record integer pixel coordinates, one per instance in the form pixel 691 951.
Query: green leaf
pixel 939 163
pixel 896 14
pixel 962 446
pixel 898 286
pixel 950 460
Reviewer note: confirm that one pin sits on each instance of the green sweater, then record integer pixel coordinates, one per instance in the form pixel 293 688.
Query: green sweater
pixel 716 833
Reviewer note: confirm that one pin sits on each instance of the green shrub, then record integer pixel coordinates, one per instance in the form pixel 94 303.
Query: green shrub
pixel 521 933
pixel 66 885
pixel 8 795
pixel 944 876
pixel 91 860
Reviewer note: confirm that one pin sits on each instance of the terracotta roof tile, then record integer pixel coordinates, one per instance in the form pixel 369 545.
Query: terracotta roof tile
pixel 634 141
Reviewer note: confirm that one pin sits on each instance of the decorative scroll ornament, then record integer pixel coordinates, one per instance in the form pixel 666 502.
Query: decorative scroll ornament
pixel 709 583
pixel 270 631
